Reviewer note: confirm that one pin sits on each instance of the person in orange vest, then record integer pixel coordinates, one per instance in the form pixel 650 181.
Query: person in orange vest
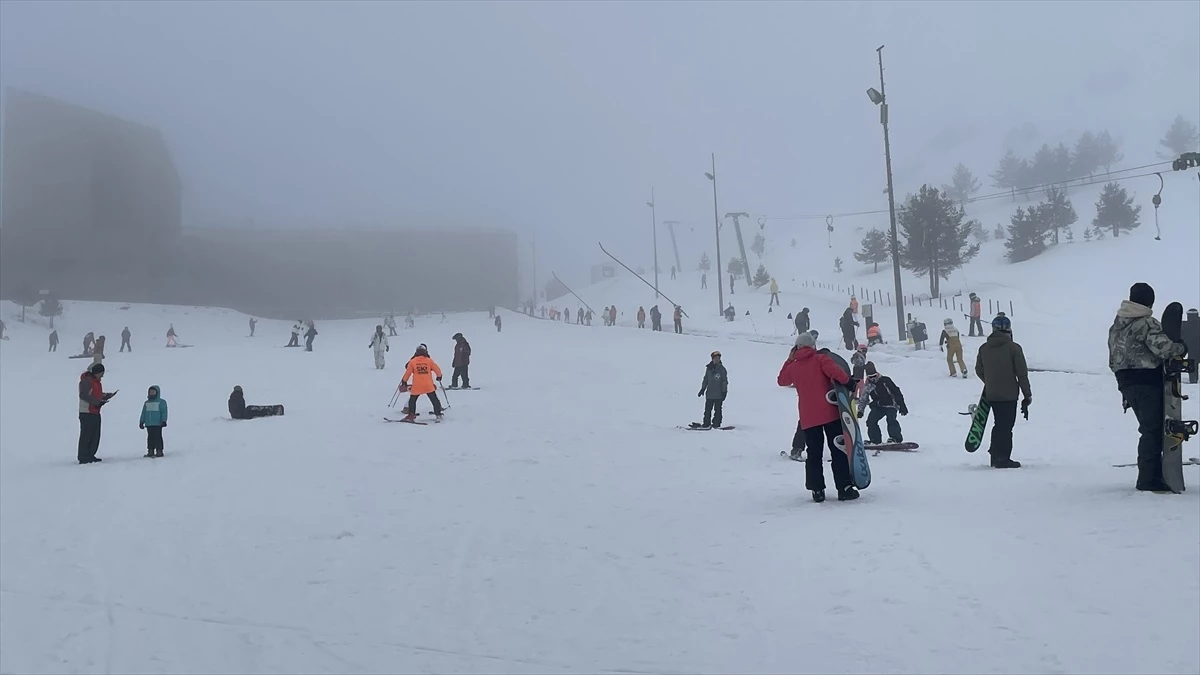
pixel 874 335
pixel 976 312
pixel 421 370
pixel 641 317
pixel 853 305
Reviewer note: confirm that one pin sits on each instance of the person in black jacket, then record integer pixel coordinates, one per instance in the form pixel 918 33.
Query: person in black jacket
pixel 714 388
pixel 886 400
pixel 802 322
pixel 238 409
pixel 848 324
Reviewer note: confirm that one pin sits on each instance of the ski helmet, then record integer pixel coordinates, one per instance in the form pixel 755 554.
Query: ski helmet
pixel 1002 322
pixel 422 349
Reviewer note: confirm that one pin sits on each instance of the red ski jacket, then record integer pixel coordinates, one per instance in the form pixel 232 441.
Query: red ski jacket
pixel 813 375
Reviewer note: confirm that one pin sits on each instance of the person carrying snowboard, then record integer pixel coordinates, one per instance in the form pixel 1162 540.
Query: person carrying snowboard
pixel 125 335
pixel 714 387
pixel 421 370
pixel 154 420
pixel 92 397
pixel 1001 367
pixel 848 324
pixel 461 362
pixel 886 400
pixel 379 346
pixel 813 374
pixel 1137 349
pixel 952 341
pixel 88 341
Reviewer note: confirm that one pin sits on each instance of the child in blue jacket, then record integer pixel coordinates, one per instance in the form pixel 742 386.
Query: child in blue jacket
pixel 154 418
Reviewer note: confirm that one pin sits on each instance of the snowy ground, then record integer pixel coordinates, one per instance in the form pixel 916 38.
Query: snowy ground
pixel 558 521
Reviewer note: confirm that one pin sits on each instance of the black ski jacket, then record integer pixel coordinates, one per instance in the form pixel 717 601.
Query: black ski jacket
pixel 885 394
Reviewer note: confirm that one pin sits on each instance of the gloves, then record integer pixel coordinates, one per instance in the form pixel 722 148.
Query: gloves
pixel 904 411
pixel 141 425
pixel 164 424
pixel 439 378
pixel 701 393
pixel 1025 407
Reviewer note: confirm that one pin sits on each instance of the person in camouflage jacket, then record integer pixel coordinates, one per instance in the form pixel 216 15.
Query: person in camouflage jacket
pixel 1137 348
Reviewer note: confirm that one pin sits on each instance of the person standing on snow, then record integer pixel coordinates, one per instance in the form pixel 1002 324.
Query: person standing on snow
pixel 813 374
pixel 461 362
pixel 98 350
pixel 976 313
pixel 678 320
pixel 253 323
pixel 612 315
pixel 91 398
pixel 953 346
pixel 641 317
pixel 171 337
pixel 125 335
pixel 1137 349
pixel 714 387
pixel 802 321
pixel 703 280
pixel 421 369
pixel 848 324
pixel 297 329
pixel 1001 366
pixel 379 345
pixel 886 400
pixel 53 341
pixel 859 357
pixel 154 420
pixel 309 335
pixel 774 292
pixel 655 318
pixel 497 322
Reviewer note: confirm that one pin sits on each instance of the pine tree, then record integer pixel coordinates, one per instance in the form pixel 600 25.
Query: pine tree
pixel 761 277
pixel 1025 236
pixel 998 233
pixel 51 307
pixel 735 267
pixel 1180 138
pixel 876 248
pixel 759 245
pixel 26 297
pixel 1011 174
pixel 1056 212
pixel 1115 211
pixel 1084 161
pixel 936 234
pixel 1097 233
pixel 962 185
pixel 1069 235
pixel 837 265
pixel 705 263
pixel 1108 151
pixel 1087 234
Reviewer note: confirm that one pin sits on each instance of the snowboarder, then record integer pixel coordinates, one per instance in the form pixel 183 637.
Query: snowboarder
pixel 253 323
pixel 918 332
pixel 953 346
pixel 497 322
pixel 729 312
pixel 976 312
pixel 53 341
pixel 98 350
pixel 774 293
pixel 641 317
pixel 461 362
pixel 238 409
pixel 714 387
pixel 92 397
pixel 848 324
pixel 390 322
pixel 813 373
pixel 886 400
pixel 1001 367
pixel 154 420
pixel 297 329
pixel 421 369
pixel 309 335
pixel 1137 348
pixel 802 321
pixel 88 341
pixel 125 335
pixel 379 346
pixel 678 320
pixel 859 357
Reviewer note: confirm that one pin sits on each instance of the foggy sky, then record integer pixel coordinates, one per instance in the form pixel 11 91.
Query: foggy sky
pixel 557 118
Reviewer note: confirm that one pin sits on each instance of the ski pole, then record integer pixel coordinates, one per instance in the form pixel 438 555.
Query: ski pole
pixel 395 397
pixel 446 396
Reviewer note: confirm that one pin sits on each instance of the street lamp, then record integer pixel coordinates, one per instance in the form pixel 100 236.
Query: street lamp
pixel 654 231
pixel 879 98
pixel 717 222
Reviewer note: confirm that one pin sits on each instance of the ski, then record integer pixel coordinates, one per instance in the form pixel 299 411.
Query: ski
pixel 462 388
pixel 388 419
pixel 979 417
pixel 1190 461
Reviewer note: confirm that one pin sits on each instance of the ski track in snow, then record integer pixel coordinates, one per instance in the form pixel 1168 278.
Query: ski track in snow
pixel 559 521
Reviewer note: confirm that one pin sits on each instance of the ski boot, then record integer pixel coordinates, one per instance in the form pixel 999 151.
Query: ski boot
pixel 409 417
pixel 149 453
pixel 158 453
pixel 818 496
pixel 848 493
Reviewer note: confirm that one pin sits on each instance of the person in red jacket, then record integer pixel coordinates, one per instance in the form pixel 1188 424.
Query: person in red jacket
pixel 91 398
pixel 813 373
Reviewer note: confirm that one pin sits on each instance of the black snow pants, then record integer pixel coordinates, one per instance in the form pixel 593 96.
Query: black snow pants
pixel 412 403
pixel 1004 416
pixel 1147 403
pixel 873 433
pixel 89 437
pixel 712 412
pixel 295 341
pixel 848 338
pixel 125 344
pixel 154 440
pixel 814 469
pixel 308 343
pixel 975 322
pixel 461 371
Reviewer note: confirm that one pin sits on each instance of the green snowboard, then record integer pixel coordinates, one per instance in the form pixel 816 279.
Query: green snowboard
pixel 979 419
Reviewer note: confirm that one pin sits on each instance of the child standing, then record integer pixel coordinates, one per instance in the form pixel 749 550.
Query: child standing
pixel 154 418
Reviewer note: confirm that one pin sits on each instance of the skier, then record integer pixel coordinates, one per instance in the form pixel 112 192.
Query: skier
pixel 88 341
pixel 297 329
pixel 379 346
pixel 53 341
pixel 802 321
pixel 672 273
pixel 309 335
pixel 1137 348
pixel 641 317
pixel 859 357
pixel 976 312
pixel 461 362
pixel 714 387
pixel 886 400
pixel 390 322
pixel 813 373
pixel 154 420
pixel 92 397
pixel 703 281
pixel 774 293
pixel 497 322
pixel 731 284
pixel 125 335
pixel 1001 367
pixel 848 324
pixel 421 369
pixel 171 337
pixel 98 350
pixel 655 318
pixel 253 323
pixel 612 315
pixel 678 320
pixel 953 347
pixel 729 312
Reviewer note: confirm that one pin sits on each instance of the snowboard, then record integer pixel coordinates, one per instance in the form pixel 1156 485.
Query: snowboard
pixel 906 446
pixel 1188 462
pixel 80 356
pixel 979 419
pixel 1175 429
pixel 696 426
pixel 851 440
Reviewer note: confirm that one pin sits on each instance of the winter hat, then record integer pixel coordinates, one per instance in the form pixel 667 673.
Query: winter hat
pixel 96 369
pixel 237 388
pixel 1001 322
pixel 806 340
pixel 871 369
pixel 422 349
pixel 457 336
pixel 1142 294
pixel 947 322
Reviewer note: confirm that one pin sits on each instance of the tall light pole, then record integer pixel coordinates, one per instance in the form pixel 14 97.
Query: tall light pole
pixel 737 227
pixel 533 249
pixel 880 99
pixel 717 222
pixel 654 230
pixel 674 246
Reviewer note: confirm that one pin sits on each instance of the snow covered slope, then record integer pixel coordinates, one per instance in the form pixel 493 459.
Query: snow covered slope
pixel 558 521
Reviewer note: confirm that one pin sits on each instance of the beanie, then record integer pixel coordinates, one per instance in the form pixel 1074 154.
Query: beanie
pixel 805 340
pixel 1142 294
pixel 96 368
pixel 871 368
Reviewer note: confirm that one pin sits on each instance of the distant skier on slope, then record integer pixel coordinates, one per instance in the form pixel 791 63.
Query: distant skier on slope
pixel 1001 366
pixel 1137 348
pixel 813 373
pixel 714 388
pixel 497 322
pixel 461 362
pixel 297 329
pixel 171 337
pixel 952 341
pixel 379 346
pixel 886 400
pixel 421 370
